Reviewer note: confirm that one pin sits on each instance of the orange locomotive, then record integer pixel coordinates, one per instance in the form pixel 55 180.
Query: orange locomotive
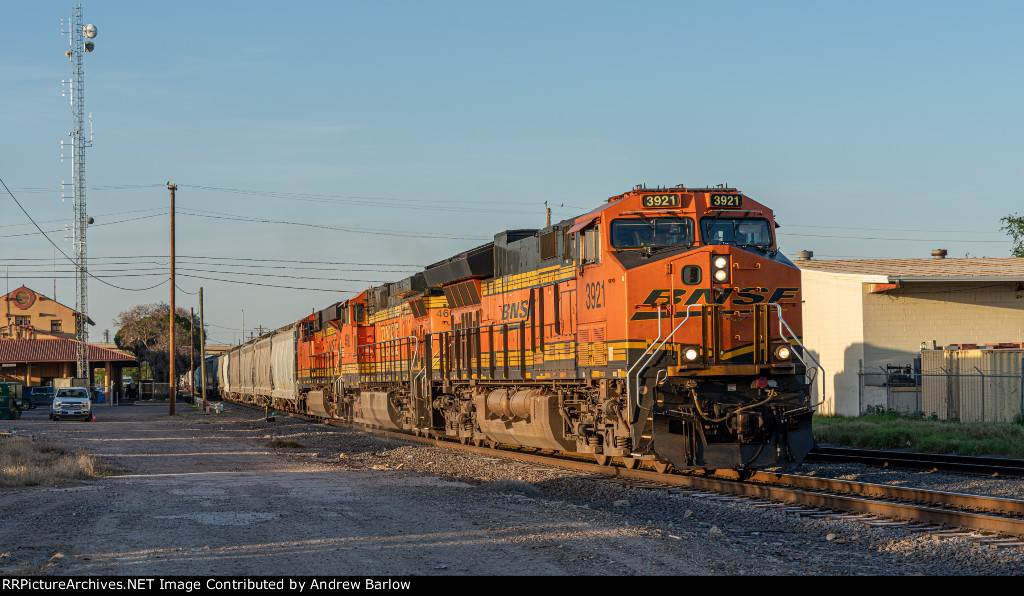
pixel 662 326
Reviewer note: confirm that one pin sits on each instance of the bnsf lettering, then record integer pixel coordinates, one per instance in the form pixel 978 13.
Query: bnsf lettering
pixel 741 297
pixel 749 296
pixel 514 311
pixel 705 293
pixel 781 294
pixel 656 297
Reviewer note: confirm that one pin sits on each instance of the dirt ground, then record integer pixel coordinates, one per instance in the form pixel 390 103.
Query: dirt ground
pixel 204 495
pixel 199 494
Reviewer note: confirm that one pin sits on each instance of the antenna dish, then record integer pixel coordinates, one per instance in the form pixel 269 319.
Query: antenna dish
pixel 89 31
pixel 89 46
pixel 68 53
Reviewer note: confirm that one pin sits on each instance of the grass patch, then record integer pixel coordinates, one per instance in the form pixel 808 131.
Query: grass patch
pixel 914 433
pixel 39 463
pixel 281 444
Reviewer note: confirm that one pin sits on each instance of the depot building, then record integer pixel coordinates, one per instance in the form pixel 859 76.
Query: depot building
pixel 38 345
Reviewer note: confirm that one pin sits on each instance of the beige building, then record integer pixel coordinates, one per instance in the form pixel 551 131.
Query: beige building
pixel 38 345
pixel 29 315
pixel 863 316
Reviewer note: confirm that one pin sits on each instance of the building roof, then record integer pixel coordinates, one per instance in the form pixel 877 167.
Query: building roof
pixel 55 349
pixel 897 270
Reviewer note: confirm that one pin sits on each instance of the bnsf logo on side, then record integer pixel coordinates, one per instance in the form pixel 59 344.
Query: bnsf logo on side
pixel 514 311
pixel 741 297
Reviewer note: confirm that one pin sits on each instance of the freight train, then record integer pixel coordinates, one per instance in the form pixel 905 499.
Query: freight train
pixel 661 329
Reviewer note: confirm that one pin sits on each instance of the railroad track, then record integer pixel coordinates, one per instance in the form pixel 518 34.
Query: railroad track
pixel 987 466
pixel 984 520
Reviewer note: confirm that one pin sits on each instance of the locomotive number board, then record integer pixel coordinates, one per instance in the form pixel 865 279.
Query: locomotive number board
pixel 726 200
pixel 660 200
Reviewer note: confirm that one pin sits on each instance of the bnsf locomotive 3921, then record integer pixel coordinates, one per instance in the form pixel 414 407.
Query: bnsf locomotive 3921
pixel 661 327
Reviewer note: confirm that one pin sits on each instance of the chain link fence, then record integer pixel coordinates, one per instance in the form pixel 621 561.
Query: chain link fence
pixel 957 387
pixel 150 391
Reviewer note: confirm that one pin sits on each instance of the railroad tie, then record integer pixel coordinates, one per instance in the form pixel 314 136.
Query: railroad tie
pixel 1006 543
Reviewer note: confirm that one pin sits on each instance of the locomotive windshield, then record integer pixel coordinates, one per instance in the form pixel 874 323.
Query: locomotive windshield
pixel 653 231
pixel 740 232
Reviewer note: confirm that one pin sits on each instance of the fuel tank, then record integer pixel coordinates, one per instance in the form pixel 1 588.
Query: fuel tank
pixel 529 417
pixel 377 408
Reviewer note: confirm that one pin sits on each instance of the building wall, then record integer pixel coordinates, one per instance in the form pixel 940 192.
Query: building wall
pixel 833 333
pixel 897 322
pixel 40 315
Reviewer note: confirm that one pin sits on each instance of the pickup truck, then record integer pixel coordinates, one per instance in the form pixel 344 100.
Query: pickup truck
pixel 71 402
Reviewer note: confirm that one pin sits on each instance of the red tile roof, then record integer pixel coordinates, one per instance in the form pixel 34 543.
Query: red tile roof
pixel 55 350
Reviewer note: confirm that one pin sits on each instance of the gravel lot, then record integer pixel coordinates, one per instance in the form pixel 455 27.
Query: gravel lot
pixel 203 495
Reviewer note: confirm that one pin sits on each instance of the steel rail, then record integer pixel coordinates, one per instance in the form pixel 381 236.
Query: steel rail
pixel 989 466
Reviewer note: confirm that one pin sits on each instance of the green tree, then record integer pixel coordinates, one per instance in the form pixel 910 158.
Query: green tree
pixel 1014 226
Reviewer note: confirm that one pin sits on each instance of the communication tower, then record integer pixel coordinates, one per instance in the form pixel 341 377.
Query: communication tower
pixel 80 39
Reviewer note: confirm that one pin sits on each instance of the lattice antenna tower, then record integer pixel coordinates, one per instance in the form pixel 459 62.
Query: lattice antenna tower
pixel 80 41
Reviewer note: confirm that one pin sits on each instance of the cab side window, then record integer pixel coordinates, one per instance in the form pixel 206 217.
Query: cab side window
pixel 590 245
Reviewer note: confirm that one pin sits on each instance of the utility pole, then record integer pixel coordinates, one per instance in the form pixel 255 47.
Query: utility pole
pixel 173 384
pixel 192 354
pixel 202 345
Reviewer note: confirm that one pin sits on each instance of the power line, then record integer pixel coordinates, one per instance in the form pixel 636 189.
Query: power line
pixel 890 239
pixel 61 251
pixel 251 283
pixel 94 259
pixel 373 232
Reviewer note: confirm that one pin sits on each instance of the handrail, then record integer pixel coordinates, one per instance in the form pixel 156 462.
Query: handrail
pixel 629 393
pixel 803 349
pixel 511 325
pixel 393 342
pixel 656 351
pixel 423 369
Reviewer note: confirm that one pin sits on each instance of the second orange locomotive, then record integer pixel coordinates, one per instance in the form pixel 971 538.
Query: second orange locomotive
pixel 661 327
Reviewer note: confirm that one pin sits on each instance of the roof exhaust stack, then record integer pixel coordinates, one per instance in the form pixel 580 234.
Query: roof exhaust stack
pixel 805 255
pixel 939 253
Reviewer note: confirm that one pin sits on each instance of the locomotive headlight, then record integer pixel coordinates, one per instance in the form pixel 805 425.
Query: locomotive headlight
pixel 720 266
pixel 691 354
pixel 783 352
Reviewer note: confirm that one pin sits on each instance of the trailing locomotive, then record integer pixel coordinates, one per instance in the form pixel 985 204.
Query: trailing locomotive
pixel 661 327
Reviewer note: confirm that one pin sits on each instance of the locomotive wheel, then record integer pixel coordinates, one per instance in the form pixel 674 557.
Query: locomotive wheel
pixel 631 463
pixel 492 444
pixel 464 440
pixel 603 460
pixel 478 442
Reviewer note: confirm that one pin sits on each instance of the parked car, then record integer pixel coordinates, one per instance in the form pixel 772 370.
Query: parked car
pixel 33 397
pixel 71 402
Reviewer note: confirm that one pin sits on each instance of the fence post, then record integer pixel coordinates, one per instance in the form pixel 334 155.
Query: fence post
pixel 982 393
pixel 860 387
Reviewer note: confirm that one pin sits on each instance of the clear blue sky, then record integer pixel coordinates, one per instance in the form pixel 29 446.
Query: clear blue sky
pixel 873 129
